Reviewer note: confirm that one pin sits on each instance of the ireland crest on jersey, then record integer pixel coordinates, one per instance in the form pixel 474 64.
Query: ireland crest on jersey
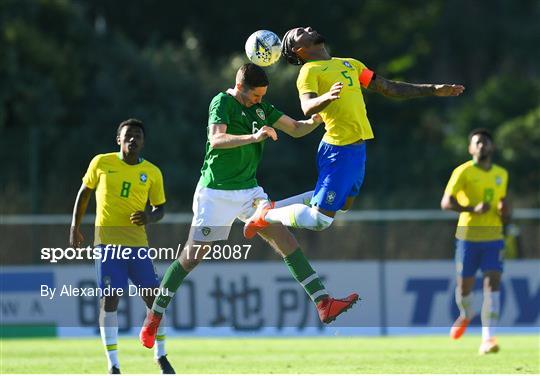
pixel 260 113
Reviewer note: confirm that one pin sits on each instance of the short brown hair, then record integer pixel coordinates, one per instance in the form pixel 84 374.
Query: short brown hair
pixel 251 76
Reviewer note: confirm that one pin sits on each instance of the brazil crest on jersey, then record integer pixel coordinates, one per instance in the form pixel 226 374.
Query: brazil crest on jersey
pixel 346 118
pixel 122 189
pixel 235 168
pixel 471 185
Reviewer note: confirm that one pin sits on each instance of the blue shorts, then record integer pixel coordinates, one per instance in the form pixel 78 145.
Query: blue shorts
pixel 488 256
pixel 341 174
pixel 115 271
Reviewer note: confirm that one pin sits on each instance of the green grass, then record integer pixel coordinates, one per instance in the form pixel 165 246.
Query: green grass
pixel 424 354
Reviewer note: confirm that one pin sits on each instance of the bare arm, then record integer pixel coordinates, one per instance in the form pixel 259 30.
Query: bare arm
pixel 449 202
pixel 298 128
pixel 141 218
pixel 505 210
pixel 312 104
pixel 219 139
pixel 81 203
pixel 405 90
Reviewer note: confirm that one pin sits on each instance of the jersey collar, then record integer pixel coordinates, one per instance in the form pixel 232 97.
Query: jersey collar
pixel 139 161
pixel 480 168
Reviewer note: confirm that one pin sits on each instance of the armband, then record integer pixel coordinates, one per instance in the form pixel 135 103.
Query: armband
pixel 365 77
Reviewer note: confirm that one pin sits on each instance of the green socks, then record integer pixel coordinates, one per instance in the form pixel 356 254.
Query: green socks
pixel 172 279
pixel 296 262
pixel 303 272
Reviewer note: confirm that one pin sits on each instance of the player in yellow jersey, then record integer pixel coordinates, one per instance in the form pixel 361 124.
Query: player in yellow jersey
pixel 332 87
pixel 477 190
pixel 239 122
pixel 124 183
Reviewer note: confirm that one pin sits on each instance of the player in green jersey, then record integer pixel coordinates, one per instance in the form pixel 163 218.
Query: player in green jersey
pixel 239 123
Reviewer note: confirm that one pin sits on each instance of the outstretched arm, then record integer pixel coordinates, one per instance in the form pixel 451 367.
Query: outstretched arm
pixel 405 90
pixel 297 128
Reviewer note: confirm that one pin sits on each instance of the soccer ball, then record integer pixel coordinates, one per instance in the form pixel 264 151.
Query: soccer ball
pixel 263 48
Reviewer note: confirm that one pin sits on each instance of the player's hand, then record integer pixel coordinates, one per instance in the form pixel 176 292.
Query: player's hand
pixel 503 208
pixel 481 208
pixel 76 239
pixel 334 92
pixel 448 90
pixel 316 119
pixel 264 133
pixel 139 218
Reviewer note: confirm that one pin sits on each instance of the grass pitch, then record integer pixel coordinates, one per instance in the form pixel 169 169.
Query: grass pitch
pixel 422 354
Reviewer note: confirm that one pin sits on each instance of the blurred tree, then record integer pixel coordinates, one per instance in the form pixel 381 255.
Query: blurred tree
pixel 75 69
pixel 518 142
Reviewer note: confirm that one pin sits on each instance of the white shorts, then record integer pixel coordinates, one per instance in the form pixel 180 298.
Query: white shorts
pixel 214 211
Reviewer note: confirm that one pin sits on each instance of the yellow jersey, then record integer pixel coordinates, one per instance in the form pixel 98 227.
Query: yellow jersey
pixel 346 118
pixel 122 189
pixel 471 185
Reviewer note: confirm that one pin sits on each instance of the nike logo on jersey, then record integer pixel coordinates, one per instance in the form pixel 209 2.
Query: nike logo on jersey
pixel 111 171
pixel 243 113
pixel 325 68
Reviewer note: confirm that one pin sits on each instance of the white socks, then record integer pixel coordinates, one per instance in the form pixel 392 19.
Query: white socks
pixel 303 198
pixel 465 304
pixel 108 328
pixel 159 349
pixel 298 215
pixel 490 310
pixel 295 212
pixel 490 314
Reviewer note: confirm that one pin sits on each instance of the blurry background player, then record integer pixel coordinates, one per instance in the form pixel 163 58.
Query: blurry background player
pixel 477 190
pixel 124 183
pixel 332 87
pixel 239 122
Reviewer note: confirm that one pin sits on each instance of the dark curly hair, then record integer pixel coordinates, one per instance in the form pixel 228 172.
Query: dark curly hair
pixel 130 122
pixel 481 131
pixel 286 49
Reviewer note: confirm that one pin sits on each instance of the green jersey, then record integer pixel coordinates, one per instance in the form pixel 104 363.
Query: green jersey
pixel 235 168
